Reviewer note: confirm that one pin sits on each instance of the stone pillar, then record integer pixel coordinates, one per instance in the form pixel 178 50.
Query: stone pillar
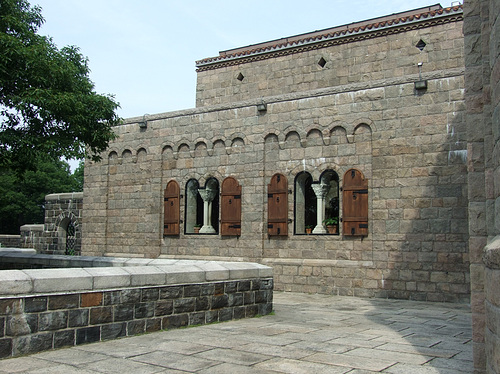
pixel 320 190
pixel 208 196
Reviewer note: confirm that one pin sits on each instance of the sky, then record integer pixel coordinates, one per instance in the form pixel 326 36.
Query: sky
pixel 144 52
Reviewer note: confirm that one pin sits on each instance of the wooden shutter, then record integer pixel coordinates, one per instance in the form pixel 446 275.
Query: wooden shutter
pixel 171 220
pixel 277 204
pixel 355 204
pixel 230 207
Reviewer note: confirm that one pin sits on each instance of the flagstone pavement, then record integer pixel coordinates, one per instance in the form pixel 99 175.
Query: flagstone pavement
pixel 306 334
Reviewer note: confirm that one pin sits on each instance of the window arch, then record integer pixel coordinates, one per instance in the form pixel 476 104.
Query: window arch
pixel 193 207
pixel 330 179
pixel 202 207
pixel 305 203
pixel 316 203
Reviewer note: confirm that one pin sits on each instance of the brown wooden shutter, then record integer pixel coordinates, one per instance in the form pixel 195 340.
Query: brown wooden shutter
pixel 277 201
pixel 355 204
pixel 230 207
pixel 171 221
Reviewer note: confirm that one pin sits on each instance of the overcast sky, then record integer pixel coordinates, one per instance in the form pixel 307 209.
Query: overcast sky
pixel 144 52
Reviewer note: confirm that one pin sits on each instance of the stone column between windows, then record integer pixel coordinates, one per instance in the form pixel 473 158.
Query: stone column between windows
pixel 208 196
pixel 320 190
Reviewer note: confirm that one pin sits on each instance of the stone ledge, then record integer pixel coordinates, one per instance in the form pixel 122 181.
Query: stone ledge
pixel 65 273
pixel 64 196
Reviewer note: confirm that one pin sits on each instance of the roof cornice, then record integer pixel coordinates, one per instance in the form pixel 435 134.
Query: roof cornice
pixel 334 36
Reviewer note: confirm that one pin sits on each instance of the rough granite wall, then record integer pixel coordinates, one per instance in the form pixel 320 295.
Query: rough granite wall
pixel 361 110
pixel 482 62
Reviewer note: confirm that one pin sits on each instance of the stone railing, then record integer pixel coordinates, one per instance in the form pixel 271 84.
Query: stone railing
pixel 89 299
pixel 492 305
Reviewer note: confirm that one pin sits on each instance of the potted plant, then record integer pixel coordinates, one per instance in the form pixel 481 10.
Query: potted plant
pixel 331 224
pixel 309 229
pixel 196 228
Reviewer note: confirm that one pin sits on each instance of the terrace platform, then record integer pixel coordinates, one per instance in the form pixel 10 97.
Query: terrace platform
pixel 306 334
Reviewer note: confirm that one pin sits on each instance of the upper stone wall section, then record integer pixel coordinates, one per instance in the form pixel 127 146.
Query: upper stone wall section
pixel 369 51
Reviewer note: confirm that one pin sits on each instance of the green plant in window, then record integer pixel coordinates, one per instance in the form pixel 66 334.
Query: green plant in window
pixel 331 221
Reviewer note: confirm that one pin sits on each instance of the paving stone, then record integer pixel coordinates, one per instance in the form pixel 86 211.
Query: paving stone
pixel 410 358
pixel 24 364
pixel 116 365
pixel 175 361
pixel 181 347
pixel 120 348
pixel 73 356
pixel 60 369
pixel 284 365
pixel 233 356
pixel 288 351
pixel 351 361
pixel 227 368
pixel 417 369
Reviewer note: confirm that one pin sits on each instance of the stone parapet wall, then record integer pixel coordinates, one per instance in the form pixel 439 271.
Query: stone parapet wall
pixel 10 241
pixel 62 210
pixel 45 309
pixel 31 237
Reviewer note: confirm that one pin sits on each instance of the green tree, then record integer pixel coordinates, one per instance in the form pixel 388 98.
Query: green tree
pixel 47 102
pixel 22 197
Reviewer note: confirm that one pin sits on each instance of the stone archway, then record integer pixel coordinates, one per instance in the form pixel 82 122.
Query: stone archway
pixel 68 234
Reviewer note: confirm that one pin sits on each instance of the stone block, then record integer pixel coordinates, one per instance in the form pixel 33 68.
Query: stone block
pixel 53 321
pixel 109 277
pixel 64 302
pixel 15 282
pixel 146 275
pixel 183 274
pixel 57 280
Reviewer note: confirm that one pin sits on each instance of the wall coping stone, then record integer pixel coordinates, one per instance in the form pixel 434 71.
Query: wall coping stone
pixel 64 196
pixel 18 250
pixel 32 227
pixel 85 273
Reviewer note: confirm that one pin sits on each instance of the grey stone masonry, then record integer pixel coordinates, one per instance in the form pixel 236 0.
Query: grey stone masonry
pixel 360 111
pixel 482 99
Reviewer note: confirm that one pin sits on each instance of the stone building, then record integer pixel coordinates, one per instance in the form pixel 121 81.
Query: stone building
pixel 61 231
pixel 362 125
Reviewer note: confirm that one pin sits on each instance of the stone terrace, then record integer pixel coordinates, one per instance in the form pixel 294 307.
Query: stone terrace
pixel 307 334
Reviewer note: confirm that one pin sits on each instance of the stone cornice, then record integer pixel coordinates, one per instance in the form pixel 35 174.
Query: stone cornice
pixel 356 34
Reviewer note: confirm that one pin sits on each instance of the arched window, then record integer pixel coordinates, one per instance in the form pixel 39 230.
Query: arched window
pixel 70 239
pixel 210 196
pixel 316 203
pixel 305 203
pixel 330 179
pixel 202 207
pixel 194 208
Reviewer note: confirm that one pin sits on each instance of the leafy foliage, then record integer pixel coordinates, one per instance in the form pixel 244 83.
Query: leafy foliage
pixel 47 102
pixel 22 198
